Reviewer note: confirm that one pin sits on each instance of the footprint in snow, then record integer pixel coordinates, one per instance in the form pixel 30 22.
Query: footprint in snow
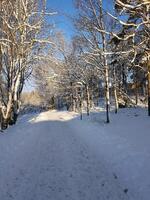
pixel 125 190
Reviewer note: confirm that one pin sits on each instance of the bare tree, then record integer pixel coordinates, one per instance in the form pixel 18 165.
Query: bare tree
pixel 22 23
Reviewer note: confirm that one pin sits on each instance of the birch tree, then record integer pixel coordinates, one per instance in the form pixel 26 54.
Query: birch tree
pixel 92 24
pixel 20 43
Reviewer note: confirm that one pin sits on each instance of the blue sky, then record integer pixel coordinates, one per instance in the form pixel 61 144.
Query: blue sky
pixel 66 10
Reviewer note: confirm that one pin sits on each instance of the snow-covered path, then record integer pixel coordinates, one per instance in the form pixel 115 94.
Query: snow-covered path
pixel 48 157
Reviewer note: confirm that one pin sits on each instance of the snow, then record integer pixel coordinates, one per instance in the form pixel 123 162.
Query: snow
pixel 56 156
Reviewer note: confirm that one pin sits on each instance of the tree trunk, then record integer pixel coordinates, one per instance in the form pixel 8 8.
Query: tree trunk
pixel 136 87
pixel 136 93
pixel 88 100
pixel 81 103
pixel 1 119
pixel 14 113
pixel 107 93
pixel 72 98
pixel 106 68
pixel 115 91
pixel 81 114
pixel 116 100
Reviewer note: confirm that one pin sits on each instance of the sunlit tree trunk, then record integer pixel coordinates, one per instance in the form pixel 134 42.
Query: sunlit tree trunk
pixel 106 67
pixel 115 91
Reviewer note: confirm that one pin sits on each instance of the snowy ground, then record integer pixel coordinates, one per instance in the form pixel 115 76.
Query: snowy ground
pixel 55 156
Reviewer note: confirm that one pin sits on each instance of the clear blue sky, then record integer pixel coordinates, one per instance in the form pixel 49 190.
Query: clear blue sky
pixel 65 9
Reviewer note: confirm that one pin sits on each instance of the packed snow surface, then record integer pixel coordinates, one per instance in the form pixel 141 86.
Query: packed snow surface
pixel 56 156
